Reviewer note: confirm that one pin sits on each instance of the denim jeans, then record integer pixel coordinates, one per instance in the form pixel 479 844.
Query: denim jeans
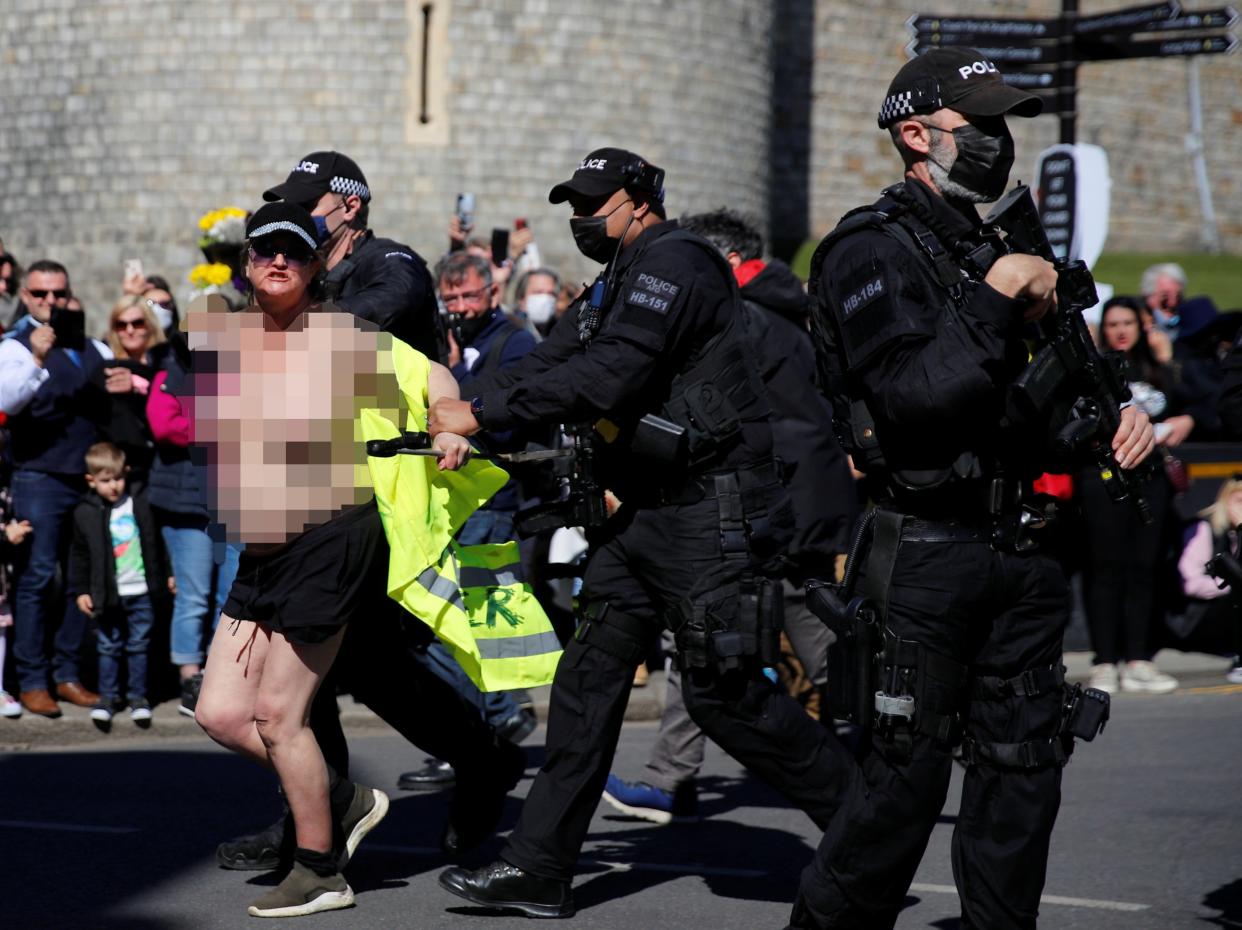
pixel 125 629
pixel 47 501
pixel 202 567
pixel 487 526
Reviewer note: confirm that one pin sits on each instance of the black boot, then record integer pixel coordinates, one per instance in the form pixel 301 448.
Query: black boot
pixel 436 775
pixel 508 888
pixel 479 799
pixel 269 849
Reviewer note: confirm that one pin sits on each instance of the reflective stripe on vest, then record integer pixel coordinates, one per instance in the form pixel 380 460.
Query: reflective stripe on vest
pixel 474 598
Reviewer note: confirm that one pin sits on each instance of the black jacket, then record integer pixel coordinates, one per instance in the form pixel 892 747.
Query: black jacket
pixel 92 567
pixel 813 466
pixel 671 310
pixel 933 372
pixel 1231 392
pixel 388 283
pixel 124 420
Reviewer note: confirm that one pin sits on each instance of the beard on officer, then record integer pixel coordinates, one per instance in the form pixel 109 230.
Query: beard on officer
pixel 919 331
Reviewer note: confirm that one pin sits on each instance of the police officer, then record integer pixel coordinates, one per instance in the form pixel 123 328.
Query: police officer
pixel 376 279
pixel 919 343
pixel 819 482
pixel 658 334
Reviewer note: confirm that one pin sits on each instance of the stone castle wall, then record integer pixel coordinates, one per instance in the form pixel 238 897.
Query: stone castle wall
pixel 121 121
pixel 124 120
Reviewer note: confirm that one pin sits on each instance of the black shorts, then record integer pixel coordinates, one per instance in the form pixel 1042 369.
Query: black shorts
pixel 315 584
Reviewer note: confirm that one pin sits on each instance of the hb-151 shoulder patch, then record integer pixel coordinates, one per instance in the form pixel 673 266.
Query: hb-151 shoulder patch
pixel 652 293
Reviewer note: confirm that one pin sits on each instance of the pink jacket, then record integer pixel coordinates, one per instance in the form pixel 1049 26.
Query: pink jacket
pixel 169 421
pixel 1196 582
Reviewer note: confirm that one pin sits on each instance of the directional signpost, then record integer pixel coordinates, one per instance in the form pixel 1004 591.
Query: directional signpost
pixel 1043 55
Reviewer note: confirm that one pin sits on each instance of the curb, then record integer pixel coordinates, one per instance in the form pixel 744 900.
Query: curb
pixel 30 732
pixel 74 729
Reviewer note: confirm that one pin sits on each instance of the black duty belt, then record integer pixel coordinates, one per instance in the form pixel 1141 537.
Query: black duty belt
pixel 919 530
pixel 706 487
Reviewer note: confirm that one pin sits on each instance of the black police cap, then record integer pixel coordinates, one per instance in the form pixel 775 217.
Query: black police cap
pixel 607 170
pixel 317 174
pixel 283 216
pixel 960 78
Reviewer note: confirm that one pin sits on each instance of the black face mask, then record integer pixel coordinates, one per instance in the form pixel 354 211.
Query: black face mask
pixel 591 236
pixel 983 160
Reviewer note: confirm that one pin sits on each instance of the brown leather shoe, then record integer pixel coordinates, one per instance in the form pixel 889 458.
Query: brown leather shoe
pixel 74 693
pixel 40 702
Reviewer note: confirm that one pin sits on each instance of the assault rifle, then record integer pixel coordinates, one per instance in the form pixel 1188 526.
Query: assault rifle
pixel 1068 378
pixel 580 500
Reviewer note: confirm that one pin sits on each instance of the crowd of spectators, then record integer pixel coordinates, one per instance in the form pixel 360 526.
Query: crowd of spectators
pixel 63 394
pixel 1139 587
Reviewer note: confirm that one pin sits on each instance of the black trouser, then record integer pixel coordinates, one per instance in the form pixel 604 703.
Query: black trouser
pixel 645 570
pixel 1121 569
pixel 1000 614
pixel 376 665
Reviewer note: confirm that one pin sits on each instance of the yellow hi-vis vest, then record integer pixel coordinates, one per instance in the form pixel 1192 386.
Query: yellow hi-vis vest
pixel 474 598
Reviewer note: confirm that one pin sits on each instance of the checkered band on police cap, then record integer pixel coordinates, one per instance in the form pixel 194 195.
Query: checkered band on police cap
pixel 268 228
pixel 895 107
pixel 349 187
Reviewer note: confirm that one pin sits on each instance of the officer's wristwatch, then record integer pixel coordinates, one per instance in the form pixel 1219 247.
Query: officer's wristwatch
pixel 476 408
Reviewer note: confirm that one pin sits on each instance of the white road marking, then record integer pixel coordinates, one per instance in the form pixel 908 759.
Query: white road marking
pixel 688 868
pixel 1047 899
pixel 65 827
pixel 677 868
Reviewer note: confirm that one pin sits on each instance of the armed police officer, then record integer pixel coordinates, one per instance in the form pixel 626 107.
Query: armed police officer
pixel 920 332
pixel 658 370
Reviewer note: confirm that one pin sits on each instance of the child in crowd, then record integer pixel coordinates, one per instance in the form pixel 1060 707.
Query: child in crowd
pixel 117 570
pixel 1211 607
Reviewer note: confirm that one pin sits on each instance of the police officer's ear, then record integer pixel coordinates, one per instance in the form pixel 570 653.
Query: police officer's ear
pixel 350 208
pixel 915 137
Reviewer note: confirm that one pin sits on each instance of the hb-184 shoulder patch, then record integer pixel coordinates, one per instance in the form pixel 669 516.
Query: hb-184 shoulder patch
pixel 652 293
pixel 861 295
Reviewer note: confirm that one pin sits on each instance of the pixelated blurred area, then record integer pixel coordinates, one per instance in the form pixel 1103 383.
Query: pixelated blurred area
pixel 277 413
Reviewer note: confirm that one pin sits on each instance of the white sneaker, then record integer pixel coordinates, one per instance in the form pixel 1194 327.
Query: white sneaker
pixel 140 712
pixel 1103 678
pixel 1144 676
pixel 9 705
pixel 1233 676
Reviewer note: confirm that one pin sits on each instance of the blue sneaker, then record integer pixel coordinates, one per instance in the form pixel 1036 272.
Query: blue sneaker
pixel 638 799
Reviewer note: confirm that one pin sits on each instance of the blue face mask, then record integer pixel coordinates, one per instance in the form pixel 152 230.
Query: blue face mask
pixel 321 229
pixel 322 232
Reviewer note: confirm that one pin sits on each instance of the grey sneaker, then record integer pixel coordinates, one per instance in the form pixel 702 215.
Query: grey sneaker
pixel 303 892
pixel 365 811
pixel 190 688
pixel 1144 676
